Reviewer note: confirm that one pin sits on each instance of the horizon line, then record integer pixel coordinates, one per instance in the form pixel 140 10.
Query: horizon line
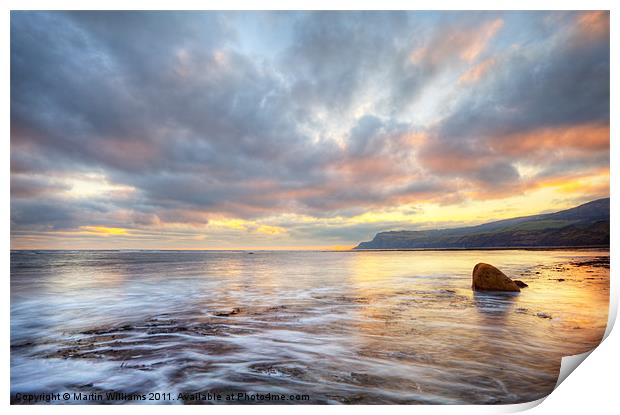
pixel 354 249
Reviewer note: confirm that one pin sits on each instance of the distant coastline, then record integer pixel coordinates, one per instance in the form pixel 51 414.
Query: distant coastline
pixel 502 248
pixel 586 225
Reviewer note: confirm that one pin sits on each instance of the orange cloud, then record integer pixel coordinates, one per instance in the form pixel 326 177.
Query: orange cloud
pixel 475 73
pixel 584 137
pixel 464 43
pixel 594 24
pixel 521 157
pixel 127 151
pixel 479 39
pixel 444 160
pixel 366 166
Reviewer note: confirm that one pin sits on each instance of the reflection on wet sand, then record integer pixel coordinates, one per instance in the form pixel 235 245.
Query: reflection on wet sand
pixel 494 304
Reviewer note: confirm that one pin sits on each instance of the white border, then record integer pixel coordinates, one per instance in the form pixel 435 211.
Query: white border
pixel 592 388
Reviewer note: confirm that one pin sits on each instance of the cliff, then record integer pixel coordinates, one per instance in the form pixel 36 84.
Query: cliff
pixel 584 225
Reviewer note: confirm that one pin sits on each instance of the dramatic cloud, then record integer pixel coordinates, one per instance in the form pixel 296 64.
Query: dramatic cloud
pixel 211 129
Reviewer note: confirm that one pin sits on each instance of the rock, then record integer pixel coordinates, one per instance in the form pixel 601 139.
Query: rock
pixel 486 277
pixel 232 312
pixel 561 279
pixel 543 315
pixel 520 283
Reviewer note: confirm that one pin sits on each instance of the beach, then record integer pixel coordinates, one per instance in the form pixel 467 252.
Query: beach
pixel 352 327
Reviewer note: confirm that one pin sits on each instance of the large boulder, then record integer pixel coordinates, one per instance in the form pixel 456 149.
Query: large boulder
pixel 486 277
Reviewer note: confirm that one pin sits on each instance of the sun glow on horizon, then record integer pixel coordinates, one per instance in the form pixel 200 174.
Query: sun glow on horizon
pixel 103 230
pixel 279 131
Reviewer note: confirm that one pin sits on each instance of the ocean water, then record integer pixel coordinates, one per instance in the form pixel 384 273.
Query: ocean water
pixel 319 327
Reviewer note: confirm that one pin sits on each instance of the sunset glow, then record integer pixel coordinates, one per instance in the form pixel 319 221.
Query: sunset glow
pixel 299 130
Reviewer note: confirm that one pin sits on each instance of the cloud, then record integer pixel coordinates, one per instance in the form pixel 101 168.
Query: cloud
pixel 545 103
pixel 464 40
pixel 103 230
pixel 157 120
pixel 594 25
pixel 553 82
pixel 475 73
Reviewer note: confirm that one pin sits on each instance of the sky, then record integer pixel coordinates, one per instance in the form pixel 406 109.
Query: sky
pixel 299 130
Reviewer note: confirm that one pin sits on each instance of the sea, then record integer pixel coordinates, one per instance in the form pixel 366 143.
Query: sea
pixel 298 327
